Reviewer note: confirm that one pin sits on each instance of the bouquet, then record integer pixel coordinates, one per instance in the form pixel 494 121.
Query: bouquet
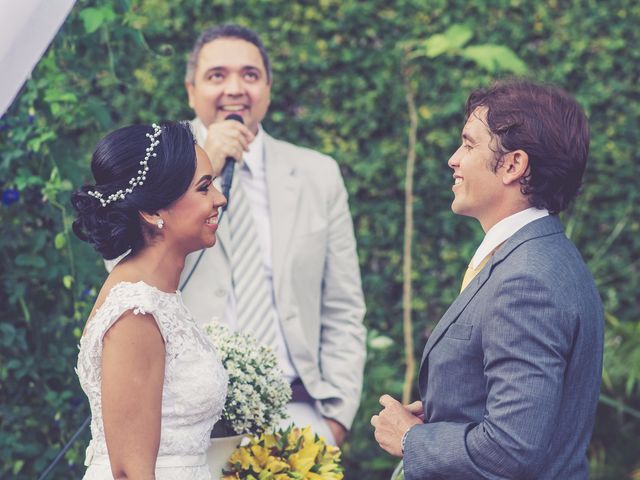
pixel 257 392
pixel 294 453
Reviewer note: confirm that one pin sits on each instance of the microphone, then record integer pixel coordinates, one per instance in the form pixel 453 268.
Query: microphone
pixel 227 170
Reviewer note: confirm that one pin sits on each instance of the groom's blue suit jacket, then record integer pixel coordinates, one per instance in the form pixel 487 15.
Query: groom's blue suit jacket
pixel 510 376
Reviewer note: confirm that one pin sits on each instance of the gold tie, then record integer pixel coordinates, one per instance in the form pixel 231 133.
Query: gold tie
pixel 472 272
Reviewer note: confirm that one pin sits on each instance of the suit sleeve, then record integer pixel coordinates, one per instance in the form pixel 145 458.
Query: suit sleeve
pixel 342 335
pixel 527 337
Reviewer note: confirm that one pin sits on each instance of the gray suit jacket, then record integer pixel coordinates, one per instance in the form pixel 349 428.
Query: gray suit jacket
pixel 316 276
pixel 510 376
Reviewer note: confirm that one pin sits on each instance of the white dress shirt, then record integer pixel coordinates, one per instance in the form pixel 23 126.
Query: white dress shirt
pixel 504 229
pixel 255 182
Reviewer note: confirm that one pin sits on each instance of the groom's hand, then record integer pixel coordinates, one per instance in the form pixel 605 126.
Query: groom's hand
pixel 417 409
pixel 393 421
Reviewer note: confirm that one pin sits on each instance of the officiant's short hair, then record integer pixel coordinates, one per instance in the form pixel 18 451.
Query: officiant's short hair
pixel 225 31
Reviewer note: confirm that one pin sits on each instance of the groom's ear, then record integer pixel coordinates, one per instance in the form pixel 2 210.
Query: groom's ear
pixel 515 167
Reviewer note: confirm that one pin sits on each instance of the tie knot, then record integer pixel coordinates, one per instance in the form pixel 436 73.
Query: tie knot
pixel 244 166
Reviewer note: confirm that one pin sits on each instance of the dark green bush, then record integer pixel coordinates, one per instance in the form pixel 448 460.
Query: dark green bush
pixel 338 88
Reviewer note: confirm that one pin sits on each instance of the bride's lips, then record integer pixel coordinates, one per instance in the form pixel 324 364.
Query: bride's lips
pixel 212 221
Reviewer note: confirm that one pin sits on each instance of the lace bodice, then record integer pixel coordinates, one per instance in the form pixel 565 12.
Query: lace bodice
pixel 195 382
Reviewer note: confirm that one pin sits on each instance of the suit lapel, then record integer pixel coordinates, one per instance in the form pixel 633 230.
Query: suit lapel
pixel 283 187
pixel 458 306
pixel 222 233
pixel 538 228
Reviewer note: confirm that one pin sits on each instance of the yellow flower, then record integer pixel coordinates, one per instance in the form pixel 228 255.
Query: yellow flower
pixel 330 471
pixel 261 455
pixel 270 440
pixel 293 436
pixel 276 465
pixel 244 458
pixel 292 454
pixel 305 458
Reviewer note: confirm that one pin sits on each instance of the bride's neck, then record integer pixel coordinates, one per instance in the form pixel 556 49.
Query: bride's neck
pixel 159 265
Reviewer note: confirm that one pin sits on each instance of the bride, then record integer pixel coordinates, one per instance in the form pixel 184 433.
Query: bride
pixel 154 382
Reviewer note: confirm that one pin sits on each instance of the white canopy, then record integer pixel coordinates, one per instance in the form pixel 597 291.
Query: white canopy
pixel 27 27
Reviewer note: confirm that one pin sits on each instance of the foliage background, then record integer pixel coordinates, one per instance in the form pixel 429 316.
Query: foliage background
pixel 338 88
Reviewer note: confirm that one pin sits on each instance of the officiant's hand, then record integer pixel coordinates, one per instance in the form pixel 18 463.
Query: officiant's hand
pixel 393 421
pixel 337 430
pixel 226 139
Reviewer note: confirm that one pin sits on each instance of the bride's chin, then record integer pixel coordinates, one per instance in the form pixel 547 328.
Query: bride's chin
pixel 211 242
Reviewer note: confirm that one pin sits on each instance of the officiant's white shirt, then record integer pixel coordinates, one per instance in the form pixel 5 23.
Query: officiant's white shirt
pixel 256 192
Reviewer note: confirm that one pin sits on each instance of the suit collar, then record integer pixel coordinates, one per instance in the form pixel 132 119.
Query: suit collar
pixel 549 225
pixel 222 234
pixel 545 226
pixel 505 229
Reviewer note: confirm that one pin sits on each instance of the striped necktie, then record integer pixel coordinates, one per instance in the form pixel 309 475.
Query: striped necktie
pixel 254 310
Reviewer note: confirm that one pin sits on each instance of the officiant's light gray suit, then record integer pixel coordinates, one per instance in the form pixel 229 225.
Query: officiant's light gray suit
pixel 316 276
pixel 510 375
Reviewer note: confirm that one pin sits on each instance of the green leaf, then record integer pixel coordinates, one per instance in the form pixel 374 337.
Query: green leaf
pixel 54 95
pixel 458 36
pixel 17 466
pixel 107 13
pixel 35 261
pixel 67 281
pixel 60 241
pixel 7 333
pixel 35 143
pixel 436 45
pixel 454 38
pixel 13 363
pixel 93 18
pixel 495 58
pixel 381 342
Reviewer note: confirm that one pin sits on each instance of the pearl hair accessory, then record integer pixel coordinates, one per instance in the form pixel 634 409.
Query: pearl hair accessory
pixel 160 224
pixel 139 178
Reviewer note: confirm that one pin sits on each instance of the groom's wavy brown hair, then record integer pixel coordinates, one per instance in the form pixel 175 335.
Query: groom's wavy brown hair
pixel 546 123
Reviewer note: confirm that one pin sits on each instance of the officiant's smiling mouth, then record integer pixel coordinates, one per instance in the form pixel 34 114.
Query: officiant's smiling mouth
pixel 233 108
pixel 241 109
pixel 457 180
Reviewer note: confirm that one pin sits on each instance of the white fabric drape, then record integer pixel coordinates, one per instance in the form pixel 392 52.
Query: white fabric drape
pixel 27 27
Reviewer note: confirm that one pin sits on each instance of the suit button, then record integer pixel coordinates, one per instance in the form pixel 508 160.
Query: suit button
pixel 221 292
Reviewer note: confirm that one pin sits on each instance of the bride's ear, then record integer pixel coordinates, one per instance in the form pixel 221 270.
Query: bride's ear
pixel 152 221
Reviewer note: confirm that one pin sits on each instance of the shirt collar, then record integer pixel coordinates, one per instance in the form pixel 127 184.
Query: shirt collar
pixel 504 229
pixel 254 158
pixel 199 131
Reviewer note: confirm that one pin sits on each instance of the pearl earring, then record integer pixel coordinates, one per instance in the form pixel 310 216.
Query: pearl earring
pixel 160 224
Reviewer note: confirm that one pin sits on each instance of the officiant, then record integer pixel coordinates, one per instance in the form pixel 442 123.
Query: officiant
pixel 285 267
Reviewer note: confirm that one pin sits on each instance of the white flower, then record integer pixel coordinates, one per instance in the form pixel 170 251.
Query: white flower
pixel 257 393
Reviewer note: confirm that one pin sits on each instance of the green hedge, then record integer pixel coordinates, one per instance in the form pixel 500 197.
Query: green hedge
pixel 338 87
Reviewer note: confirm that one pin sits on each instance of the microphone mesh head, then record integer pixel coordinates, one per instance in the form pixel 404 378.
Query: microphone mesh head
pixel 236 117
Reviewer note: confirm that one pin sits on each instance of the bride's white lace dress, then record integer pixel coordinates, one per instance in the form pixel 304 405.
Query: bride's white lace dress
pixel 194 390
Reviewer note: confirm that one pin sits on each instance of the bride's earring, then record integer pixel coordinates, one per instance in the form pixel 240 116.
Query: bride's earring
pixel 160 224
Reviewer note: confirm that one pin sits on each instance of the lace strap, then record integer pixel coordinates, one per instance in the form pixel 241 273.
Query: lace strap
pixel 138 297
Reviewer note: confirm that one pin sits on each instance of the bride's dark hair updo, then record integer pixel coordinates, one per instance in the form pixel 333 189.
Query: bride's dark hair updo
pixel 116 227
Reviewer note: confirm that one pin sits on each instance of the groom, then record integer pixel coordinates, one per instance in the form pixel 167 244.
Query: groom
pixel 510 376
